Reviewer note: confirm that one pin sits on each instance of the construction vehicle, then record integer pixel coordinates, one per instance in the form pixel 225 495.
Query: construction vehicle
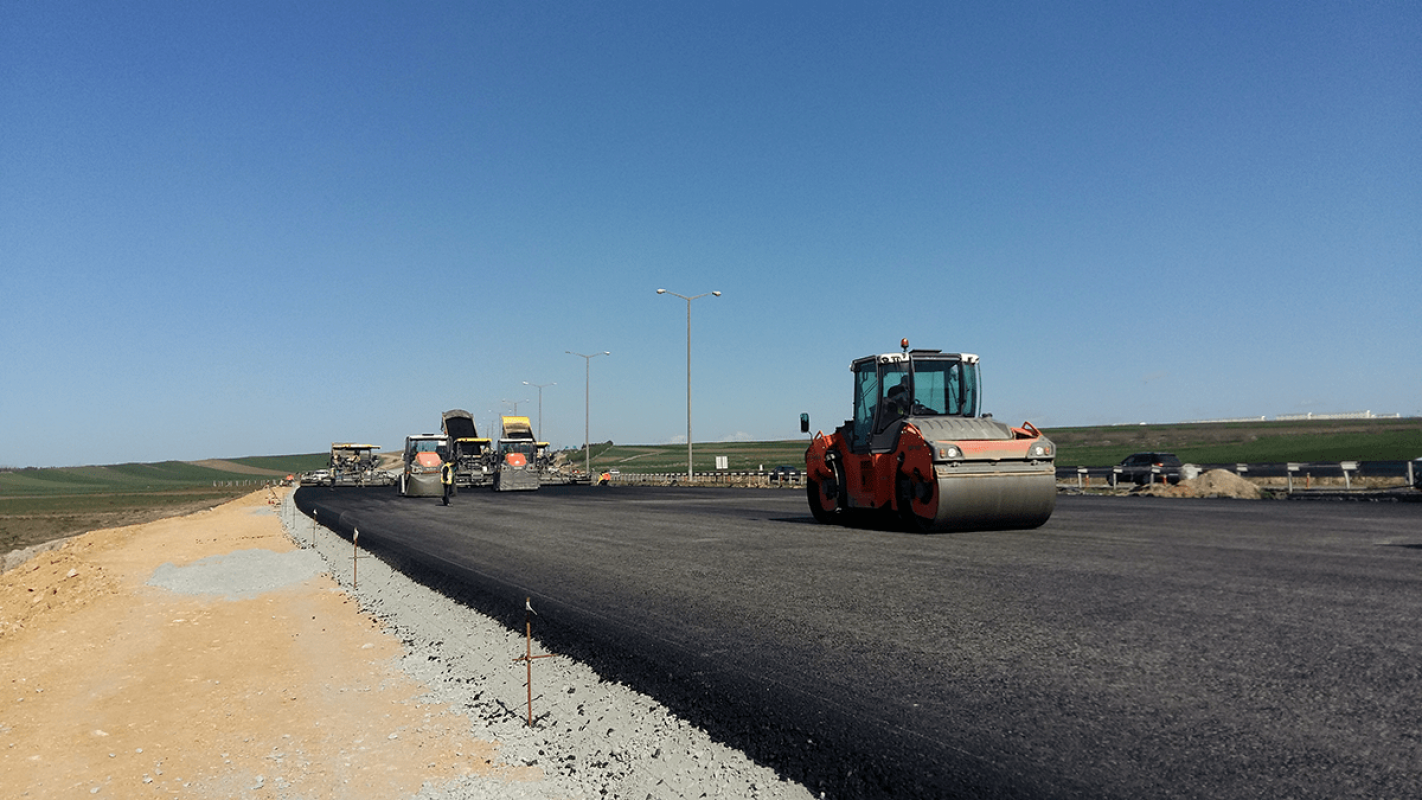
pixel 354 465
pixel 919 450
pixel 544 460
pixel 474 457
pixel 425 454
pixel 517 469
pixel 316 477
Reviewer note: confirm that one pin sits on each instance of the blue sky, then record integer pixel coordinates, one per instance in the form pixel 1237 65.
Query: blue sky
pixel 234 229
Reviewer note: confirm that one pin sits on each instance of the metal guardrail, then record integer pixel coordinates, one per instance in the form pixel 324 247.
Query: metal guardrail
pixel 1409 471
pixel 717 478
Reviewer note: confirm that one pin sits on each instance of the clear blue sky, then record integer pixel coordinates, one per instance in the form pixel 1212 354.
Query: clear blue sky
pixel 253 228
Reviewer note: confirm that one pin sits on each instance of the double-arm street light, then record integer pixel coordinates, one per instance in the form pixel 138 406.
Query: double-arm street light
pixel 688 368
pixel 587 373
pixel 540 404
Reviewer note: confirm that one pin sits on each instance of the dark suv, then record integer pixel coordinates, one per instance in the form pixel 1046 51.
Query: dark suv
pixel 1143 468
pixel 784 473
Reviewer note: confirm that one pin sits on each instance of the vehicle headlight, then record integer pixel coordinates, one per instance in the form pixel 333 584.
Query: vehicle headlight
pixel 949 452
pixel 1041 450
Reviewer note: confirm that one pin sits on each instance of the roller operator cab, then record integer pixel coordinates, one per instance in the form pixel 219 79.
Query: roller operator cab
pixel 918 449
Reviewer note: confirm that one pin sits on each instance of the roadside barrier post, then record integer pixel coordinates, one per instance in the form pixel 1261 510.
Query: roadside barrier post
pixel 528 655
pixel 355 554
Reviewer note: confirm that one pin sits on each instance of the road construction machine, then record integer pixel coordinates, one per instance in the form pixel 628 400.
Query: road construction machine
pixel 354 465
pixel 425 454
pixel 920 451
pixel 473 456
pixel 518 462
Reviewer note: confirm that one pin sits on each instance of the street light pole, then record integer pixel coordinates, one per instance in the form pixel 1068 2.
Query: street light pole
pixel 587 374
pixel 688 368
pixel 540 404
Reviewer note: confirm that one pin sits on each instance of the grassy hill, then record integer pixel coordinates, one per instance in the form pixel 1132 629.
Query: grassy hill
pixel 38 505
pixel 160 476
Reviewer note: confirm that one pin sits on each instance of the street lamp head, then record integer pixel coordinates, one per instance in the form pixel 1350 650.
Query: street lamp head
pixel 607 352
pixel 661 291
pixel 718 294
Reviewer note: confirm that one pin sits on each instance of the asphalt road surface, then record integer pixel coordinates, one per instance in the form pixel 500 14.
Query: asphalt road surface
pixel 1131 647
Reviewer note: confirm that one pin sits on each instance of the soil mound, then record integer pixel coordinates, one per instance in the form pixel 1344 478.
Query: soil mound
pixel 1214 483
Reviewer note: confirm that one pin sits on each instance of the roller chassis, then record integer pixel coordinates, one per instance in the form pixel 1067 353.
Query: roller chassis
pixel 905 484
pixel 933 466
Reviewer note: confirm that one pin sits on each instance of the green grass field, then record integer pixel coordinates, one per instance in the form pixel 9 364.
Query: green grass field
pixel 128 478
pixel 1245 442
pixel 1199 443
pixel 37 505
pixel 659 458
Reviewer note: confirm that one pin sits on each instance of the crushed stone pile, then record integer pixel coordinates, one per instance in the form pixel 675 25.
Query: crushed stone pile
pixel 1214 483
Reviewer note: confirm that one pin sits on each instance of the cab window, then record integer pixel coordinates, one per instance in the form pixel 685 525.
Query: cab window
pixel 945 387
pixel 866 401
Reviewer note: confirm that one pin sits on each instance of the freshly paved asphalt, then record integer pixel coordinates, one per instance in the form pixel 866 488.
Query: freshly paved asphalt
pixel 1131 647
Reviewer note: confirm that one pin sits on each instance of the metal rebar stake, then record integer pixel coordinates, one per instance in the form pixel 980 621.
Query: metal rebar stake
pixel 528 655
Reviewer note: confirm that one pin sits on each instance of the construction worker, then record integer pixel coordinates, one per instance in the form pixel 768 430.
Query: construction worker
pixel 446 477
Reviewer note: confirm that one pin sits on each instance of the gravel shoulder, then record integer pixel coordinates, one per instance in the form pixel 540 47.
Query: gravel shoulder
pixel 226 654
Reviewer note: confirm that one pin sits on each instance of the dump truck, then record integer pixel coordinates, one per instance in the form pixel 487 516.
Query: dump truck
pixel 354 465
pixel 918 450
pixel 424 456
pixel 518 458
pixel 473 456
